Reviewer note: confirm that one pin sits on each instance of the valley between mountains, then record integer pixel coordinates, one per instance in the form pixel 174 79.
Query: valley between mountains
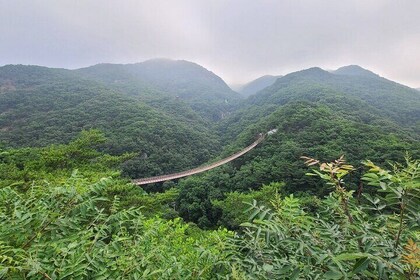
pixel 72 141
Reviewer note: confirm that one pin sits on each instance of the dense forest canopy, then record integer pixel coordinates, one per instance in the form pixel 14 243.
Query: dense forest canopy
pixel 160 79
pixel 47 108
pixel 72 140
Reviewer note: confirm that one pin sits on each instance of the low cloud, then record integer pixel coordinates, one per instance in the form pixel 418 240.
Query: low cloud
pixel 238 39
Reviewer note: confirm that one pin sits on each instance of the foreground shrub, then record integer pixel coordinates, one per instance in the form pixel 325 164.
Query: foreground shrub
pixel 58 232
pixel 352 237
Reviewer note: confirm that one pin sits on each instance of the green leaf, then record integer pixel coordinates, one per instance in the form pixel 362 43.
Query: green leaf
pixel 351 256
pixel 361 265
pixel 295 274
pixel 333 274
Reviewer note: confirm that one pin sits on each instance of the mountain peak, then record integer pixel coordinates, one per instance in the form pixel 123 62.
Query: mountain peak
pixel 313 72
pixel 158 62
pixel 354 70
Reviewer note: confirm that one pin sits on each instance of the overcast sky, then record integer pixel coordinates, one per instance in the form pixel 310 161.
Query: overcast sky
pixel 239 40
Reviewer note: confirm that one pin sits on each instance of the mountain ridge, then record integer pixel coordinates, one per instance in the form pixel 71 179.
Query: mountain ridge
pixel 46 107
pixel 355 70
pixel 258 84
pixel 41 106
pixel 397 103
pixel 204 91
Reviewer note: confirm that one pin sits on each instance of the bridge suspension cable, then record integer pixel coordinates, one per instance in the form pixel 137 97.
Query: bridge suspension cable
pixel 163 178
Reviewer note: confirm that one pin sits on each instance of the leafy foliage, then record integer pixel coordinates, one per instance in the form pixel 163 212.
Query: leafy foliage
pixel 234 205
pixel 55 232
pixel 345 240
pixel 21 167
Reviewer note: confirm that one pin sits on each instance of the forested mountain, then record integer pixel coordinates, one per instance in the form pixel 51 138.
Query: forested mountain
pixel 71 140
pixel 257 85
pixel 157 79
pixel 137 107
pixel 354 94
pixel 316 113
pixel 41 106
pixel 380 97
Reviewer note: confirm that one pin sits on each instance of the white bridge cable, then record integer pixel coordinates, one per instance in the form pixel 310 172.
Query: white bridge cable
pixel 163 178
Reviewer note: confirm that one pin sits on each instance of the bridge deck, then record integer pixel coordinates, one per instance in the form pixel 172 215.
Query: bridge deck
pixel 163 178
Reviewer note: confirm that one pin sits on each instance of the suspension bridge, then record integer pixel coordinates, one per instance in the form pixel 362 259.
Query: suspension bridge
pixel 163 178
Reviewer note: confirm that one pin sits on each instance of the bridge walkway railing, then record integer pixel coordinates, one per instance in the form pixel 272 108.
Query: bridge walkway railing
pixel 163 178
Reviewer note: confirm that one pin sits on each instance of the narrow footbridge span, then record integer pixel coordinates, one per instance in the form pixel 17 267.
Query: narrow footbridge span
pixel 173 176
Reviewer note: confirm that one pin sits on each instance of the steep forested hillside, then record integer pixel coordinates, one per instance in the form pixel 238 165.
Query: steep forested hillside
pixel 160 79
pixel 41 106
pixel 318 114
pixel 364 95
pixel 352 97
pixel 258 84
pixel 138 109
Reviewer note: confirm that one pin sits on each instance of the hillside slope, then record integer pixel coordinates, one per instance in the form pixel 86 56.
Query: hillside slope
pixel 41 106
pixel 258 84
pixel 317 114
pixel 323 115
pixel 161 79
pixel 364 96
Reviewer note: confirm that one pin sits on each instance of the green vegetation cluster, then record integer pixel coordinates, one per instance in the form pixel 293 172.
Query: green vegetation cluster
pixel 315 112
pixel 66 213
pixel 48 106
pixel 71 141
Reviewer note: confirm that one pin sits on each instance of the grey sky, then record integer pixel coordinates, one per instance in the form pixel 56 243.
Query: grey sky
pixel 237 39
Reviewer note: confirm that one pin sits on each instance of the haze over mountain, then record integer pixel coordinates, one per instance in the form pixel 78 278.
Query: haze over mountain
pixel 206 92
pixel 196 30
pixel 257 85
